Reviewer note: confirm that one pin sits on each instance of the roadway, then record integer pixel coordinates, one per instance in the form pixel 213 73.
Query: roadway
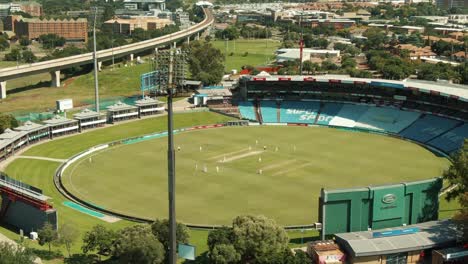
pixel 54 66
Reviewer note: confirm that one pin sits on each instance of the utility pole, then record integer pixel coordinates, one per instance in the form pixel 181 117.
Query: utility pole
pixel 96 84
pixel 301 45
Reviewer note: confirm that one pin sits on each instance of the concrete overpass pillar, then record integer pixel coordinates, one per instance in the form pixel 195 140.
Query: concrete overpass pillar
pixel 99 65
pixel 175 44
pixel 197 37
pixel 3 90
pixel 55 78
pixel 188 40
pixel 131 57
pixel 155 50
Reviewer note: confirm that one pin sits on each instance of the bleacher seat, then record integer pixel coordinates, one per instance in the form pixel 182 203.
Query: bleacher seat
pixel 348 115
pixel 299 112
pixel 247 111
pixel 269 111
pixel 386 119
pixel 329 111
pixel 451 140
pixel 428 127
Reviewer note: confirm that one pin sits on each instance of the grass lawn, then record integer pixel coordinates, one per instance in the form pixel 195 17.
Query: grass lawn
pixel 260 52
pixel 35 94
pixel 287 190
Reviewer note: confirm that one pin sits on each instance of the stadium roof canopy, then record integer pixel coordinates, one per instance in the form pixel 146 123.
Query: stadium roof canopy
pixel 444 88
pixel 431 234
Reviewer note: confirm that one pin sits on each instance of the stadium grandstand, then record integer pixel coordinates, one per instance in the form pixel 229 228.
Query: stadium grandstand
pixel 430 113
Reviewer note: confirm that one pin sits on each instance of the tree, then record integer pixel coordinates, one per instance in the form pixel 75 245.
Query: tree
pixel 375 38
pixel 224 254
pixel 230 33
pixel 50 41
pixel 28 56
pixel 223 235
pixel 309 67
pixel 24 41
pixel 100 239
pixel 11 253
pixel 457 176
pixel 67 235
pixel 136 244
pixel 14 55
pixel 7 121
pixel 47 235
pixel 206 62
pixel 257 238
pixel 4 43
pixel 160 229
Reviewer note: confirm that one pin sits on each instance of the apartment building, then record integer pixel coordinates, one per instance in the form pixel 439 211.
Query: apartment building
pixel 72 30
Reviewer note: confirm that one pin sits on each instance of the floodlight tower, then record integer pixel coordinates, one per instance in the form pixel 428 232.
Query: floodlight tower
pixel 170 65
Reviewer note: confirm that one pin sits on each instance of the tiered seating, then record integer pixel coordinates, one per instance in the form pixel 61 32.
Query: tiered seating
pixel 269 111
pixel 451 140
pixel 386 119
pixel 428 127
pixel 329 111
pixel 299 112
pixel 247 111
pixel 348 115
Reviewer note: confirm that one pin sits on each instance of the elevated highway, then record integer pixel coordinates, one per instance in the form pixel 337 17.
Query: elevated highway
pixel 54 66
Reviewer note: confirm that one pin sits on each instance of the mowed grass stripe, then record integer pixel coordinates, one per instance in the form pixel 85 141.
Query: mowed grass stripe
pixel 307 160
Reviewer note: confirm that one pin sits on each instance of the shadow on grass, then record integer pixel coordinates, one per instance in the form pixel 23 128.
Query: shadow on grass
pixel 38 85
pixel 300 241
pixel 44 254
pixel 81 259
pixel 202 259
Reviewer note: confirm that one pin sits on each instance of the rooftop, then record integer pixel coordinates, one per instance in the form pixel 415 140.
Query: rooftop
pixel 59 120
pixel 147 101
pixel 10 134
pixel 429 235
pixel 120 106
pixel 29 126
pixel 86 113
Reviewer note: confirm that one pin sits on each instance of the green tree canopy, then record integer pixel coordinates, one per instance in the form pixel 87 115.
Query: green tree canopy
pixel 206 62
pixel 457 176
pixel 7 121
pixel 160 229
pixel 257 238
pixel 67 235
pixel 15 254
pixel 224 254
pixel 50 41
pixel 99 239
pixel 136 244
pixel 47 235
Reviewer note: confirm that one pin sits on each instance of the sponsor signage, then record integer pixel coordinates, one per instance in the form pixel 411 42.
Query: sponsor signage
pixel 388 203
pixel 389 198
pixel 64 104
pixel 397 232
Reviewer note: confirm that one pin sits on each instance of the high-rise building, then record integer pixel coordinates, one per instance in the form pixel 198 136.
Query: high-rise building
pixel 4 10
pixel 71 30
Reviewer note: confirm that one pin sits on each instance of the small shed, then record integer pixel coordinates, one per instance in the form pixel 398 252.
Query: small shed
pixel 120 112
pixel 59 125
pixel 149 106
pixel 35 132
pixel 89 119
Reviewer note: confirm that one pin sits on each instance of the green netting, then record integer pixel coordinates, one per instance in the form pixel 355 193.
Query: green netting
pixel 104 103
pixel 34 117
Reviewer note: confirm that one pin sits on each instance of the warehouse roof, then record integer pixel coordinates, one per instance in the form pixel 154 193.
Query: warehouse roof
pixel 429 235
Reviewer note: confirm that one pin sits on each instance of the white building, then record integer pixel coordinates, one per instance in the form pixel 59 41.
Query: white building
pixel 294 54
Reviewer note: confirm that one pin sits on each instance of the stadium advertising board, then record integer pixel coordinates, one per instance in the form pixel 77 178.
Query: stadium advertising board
pixel 352 210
